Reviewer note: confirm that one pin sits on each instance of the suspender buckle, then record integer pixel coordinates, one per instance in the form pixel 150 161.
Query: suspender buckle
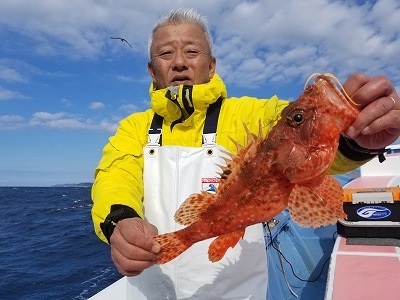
pixel 209 139
pixel 153 139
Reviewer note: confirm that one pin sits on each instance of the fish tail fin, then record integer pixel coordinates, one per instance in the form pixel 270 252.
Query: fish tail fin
pixel 171 246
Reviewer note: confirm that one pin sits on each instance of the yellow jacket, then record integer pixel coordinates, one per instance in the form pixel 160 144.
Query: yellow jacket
pixel 119 175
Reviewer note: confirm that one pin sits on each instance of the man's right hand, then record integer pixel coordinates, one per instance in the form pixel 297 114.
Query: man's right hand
pixel 133 247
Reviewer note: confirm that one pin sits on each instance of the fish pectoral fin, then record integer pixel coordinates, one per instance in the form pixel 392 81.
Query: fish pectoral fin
pixel 315 206
pixel 220 245
pixel 191 209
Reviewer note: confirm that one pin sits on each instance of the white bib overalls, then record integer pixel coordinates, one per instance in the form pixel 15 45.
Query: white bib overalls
pixel 171 174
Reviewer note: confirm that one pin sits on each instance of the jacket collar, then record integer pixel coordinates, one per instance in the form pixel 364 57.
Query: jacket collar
pixel 179 104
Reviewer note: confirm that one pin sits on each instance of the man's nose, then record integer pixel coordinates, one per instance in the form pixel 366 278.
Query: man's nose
pixel 180 60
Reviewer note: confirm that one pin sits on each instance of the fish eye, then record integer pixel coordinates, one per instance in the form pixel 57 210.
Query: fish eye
pixel 298 118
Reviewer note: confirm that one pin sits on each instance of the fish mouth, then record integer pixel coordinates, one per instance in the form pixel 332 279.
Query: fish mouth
pixel 332 93
pixel 343 104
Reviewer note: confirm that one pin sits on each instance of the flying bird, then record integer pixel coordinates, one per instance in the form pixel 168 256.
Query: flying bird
pixel 121 39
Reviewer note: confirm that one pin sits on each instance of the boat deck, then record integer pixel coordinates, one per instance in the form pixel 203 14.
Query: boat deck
pixel 363 272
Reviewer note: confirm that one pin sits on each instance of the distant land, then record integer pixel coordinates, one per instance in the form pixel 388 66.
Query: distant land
pixel 82 184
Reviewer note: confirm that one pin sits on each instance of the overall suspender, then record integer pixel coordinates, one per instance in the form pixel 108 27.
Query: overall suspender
pixel 209 131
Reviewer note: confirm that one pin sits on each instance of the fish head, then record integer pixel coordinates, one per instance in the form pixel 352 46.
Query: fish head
pixel 306 137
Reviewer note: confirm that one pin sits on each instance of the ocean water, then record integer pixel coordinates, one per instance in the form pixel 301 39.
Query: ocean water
pixel 48 249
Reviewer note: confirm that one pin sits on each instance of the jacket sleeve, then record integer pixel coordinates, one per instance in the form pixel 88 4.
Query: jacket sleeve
pixel 350 156
pixel 119 176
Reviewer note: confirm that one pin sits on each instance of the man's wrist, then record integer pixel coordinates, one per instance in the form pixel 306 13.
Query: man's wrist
pixel 117 213
pixel 353 151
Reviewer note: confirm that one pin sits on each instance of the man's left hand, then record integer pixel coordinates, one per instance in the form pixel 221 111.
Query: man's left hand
pixel 378 124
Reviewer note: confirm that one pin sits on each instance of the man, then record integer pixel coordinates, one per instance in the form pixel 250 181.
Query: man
pixel 144 175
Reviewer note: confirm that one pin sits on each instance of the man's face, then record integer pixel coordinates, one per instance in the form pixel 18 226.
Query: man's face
pixel 180 55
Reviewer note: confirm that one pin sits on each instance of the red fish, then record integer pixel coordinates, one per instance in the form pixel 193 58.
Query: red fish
pixel 286 169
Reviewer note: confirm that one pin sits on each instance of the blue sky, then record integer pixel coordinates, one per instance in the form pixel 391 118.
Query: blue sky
pixel 64 84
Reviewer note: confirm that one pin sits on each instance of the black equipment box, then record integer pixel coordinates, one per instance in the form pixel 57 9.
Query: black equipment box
pixel 372 213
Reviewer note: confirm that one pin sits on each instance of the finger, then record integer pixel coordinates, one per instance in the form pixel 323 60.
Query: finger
pixel 396 101
pixel 138 248
pixel 389 119
pixel 128 266
pixel 150 229
pixel 354 83
pixel 132 252
pixel 373 118
pixel 126 272
pixel 139 233
pixel 364 89
pixel 386 122
pixel 142 241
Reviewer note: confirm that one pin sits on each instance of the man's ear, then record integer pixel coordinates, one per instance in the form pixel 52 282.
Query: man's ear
pixel 151 70
pixel 211 66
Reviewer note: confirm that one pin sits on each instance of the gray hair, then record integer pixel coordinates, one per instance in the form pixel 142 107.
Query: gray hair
pixel 180 16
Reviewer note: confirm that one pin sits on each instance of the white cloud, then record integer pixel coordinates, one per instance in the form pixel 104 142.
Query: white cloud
pixel 128 109
pixel 21 70
pixel 125 78
pixel 6 94
pixel 146 103
pixel 59 120
pixel 255 41
pixel 14 72
pixel 97 105
pixel 45 116
pixel 11 122
pixel 11 75
pixel 67 103
pixel 106 125
pixel 11 118
pixel 79 29
pixel 292 39
pixel 63 120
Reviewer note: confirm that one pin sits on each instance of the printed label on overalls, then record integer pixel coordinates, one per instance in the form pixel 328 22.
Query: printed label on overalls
pixel 209 184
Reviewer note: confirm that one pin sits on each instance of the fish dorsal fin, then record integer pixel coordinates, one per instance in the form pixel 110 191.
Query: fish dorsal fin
pixel 315 206
pixel 226 170
pixel 244 150
pixel 244 153
pixel 191 209
pixel 248 151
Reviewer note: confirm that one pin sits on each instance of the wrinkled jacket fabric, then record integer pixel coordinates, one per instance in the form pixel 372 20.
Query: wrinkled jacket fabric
pixel 119 175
